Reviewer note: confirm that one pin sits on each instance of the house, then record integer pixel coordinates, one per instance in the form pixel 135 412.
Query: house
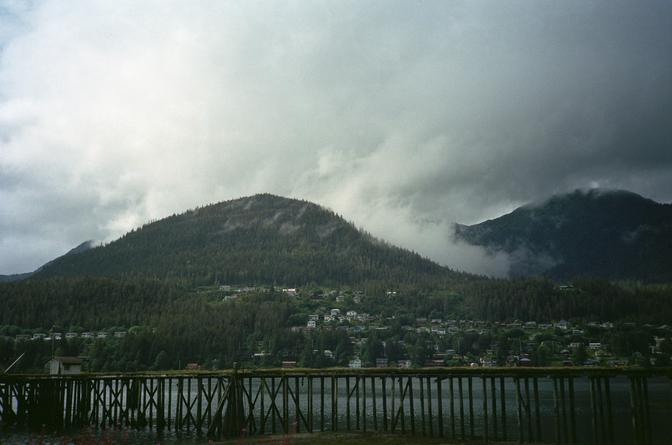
pixel 335 312
pixel 22 337
pixel 355 363
pixel 70 335
pixel 314 317
pixel 311 324
pixel 193 367
pixel 88 335
pixel 64 366
pixel 594 346
pixel 363 317
pixel 120 334
pixel 39 336
pixel 351 315
pixel 562 324
pixel 328 353
pixel 289 364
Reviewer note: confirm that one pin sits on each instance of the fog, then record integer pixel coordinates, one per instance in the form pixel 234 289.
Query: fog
pixel 402 116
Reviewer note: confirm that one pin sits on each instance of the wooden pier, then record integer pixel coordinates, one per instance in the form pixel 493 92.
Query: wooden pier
pixel 550 405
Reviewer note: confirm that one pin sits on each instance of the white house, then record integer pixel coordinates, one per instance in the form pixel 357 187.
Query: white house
pixel 64 366
pixel 355 363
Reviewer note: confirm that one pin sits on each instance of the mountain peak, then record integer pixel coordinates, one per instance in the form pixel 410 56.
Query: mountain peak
pixel 611 233
pixel 262 238
pixel 589 196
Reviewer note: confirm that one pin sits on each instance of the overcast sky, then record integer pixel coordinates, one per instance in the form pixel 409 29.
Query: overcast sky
pixel 403 116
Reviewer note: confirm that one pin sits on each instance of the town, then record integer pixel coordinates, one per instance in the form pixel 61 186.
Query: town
pixel 350 328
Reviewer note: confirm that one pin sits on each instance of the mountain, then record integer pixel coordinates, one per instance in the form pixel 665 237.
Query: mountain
pixel 609 233
pixel 258 239
pixel 83 247
pixel 14 277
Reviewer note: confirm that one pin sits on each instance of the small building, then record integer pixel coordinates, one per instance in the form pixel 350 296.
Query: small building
pixel 289 364
pixel 22 337
pixel 88 335
pixel 404 364
pixel 120 334
pixel 193 367
pixel 64 366
pixel 312 324
pixel 70 335
pixel 355 363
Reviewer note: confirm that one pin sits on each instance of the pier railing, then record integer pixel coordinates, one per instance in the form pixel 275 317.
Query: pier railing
pixel 554 405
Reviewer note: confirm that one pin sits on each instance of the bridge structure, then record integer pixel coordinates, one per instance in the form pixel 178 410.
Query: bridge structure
pixel 524 405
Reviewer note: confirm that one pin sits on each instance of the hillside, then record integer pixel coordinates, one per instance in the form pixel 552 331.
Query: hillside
pixel 83 247
pixel 612 234
pixel 260 239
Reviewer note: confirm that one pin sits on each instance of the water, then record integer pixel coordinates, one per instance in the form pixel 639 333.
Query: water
pixel 659 392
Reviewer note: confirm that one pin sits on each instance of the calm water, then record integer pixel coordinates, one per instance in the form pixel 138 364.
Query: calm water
pixel 660 400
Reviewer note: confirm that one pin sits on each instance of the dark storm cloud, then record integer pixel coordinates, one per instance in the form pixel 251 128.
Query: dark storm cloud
pixel 405 117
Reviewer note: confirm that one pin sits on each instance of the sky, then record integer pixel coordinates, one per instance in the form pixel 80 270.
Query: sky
pixel 403 116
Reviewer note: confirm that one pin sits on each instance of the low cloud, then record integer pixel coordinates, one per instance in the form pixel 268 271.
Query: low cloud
pixel 404 118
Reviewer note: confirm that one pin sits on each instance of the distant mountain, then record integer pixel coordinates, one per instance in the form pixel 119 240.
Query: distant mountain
pixel 258 239
pixel 83 247
pixel 613 234
pixel 14 277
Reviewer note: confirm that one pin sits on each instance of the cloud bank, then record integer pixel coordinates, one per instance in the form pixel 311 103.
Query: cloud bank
pixel 403 116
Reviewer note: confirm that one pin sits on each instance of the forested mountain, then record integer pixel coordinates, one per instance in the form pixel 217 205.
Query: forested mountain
pixel 257 239
pixel 611 234
pixel 83 247
pixel 14 277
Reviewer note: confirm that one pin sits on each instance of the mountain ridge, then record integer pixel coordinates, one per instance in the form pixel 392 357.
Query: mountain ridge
pixel 82 247
pixel 258 238
pixel 615 234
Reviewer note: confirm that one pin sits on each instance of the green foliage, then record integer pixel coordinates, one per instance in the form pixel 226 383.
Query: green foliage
pixel 260 239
